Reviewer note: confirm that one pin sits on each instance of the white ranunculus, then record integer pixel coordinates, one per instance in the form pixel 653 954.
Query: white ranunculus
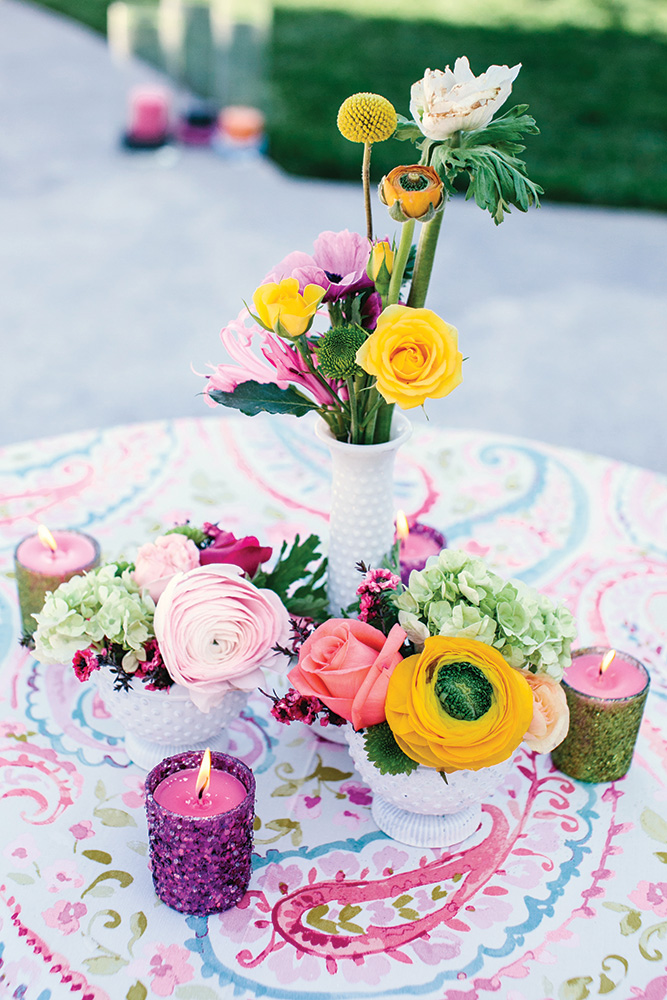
pixel 443 103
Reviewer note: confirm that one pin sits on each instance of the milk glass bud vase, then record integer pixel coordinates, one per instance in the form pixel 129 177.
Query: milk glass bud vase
pixel 361 521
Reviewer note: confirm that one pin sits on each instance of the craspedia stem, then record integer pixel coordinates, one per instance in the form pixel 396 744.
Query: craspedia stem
pixel 366 179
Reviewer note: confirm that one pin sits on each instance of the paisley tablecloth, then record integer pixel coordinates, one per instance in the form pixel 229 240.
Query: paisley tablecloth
pixel 562 893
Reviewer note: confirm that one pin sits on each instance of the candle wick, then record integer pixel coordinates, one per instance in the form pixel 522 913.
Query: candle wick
pixel 200 793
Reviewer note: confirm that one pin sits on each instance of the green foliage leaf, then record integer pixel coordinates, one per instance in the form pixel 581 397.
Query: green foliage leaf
pixel 100 856
pixel 407 129
pixel 384 751
pixel 654 825
pixel 309 599
pixel 252 398
pixel 114 817
pixel 137 992
pixel 196 535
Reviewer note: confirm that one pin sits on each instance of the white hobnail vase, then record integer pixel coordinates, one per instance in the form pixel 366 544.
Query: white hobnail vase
pixel 419 808
pixel 159 724
pixel 361 519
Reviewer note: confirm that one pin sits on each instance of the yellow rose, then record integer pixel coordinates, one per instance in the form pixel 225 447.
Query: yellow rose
pixel 283 309
pixel 416 191
pixel 380 254
pixel 413 354
pixel 458 705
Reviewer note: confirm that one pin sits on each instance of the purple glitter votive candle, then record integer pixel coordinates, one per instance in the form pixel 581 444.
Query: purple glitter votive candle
pixel 416 547
pixel 200 864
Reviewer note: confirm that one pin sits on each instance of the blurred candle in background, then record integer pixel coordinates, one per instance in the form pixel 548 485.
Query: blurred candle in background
pixel 417 543
pixel 43 561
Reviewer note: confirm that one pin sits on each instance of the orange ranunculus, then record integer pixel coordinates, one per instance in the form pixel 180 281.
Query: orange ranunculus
pixel 413 354
pixel 551 715
pixel 416 191
pixel 458 705
pixel 347 664
pixel 283 309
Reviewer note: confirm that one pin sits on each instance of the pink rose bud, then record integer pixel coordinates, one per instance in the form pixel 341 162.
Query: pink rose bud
pixel 226 548
pixel 551 715
pixel 157 562
pixel 216 630
pixel 347 665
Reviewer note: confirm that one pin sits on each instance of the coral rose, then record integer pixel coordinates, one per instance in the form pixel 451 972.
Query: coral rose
pixel 413 354
pixel 157 562
pixel 347 664
pixel 215 630
pixel 458 705
pixel 551 715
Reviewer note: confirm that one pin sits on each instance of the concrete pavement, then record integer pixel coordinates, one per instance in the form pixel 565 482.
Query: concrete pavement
pixel 119 269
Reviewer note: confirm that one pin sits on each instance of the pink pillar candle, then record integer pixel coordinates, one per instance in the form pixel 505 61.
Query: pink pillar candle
pixel 200 850
pixel 149 118
pixel 39 569
pixel 422 542
pixel 606 710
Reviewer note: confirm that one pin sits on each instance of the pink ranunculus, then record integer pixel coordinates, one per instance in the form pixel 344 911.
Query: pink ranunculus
pixel 226 548
pixel 347 665
pixel 216 630
pixel 551 716
pixel 157 562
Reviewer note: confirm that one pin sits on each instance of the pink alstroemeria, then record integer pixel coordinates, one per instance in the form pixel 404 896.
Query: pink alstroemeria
pixel 285 365
pixel 338 264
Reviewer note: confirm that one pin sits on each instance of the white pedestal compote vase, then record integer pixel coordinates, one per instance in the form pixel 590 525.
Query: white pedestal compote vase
pixel 159 724
pixel 361 521
pixel 420 808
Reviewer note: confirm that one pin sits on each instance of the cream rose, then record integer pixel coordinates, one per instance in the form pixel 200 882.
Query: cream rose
pixel 216 630
pixel 551 715
pixel 443 103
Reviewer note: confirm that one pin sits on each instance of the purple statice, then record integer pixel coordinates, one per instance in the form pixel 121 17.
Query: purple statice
pixel 85 662
pixel 370 592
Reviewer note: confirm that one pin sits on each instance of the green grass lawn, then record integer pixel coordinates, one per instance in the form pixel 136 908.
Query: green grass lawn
pixel 594 75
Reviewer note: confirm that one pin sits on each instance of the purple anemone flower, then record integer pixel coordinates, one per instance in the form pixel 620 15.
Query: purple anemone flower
pixel 338 264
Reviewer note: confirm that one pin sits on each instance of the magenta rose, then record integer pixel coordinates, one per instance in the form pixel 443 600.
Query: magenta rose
pixel 226 548
pixel 157 562
pixel 216 630
pixel 347 665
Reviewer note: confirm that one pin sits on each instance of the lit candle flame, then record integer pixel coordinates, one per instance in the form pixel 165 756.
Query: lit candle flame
pixel 204 775
pixel 46 538
pixel 606 660
pixel 402 527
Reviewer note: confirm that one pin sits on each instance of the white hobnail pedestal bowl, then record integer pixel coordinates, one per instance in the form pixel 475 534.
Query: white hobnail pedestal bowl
pixel 159 724
pixel 419 808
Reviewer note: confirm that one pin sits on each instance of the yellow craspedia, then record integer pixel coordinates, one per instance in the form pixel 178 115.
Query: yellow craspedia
pixel 367 118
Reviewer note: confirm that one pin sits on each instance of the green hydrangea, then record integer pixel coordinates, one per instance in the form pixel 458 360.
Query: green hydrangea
pixel 100 608
pixel 457 595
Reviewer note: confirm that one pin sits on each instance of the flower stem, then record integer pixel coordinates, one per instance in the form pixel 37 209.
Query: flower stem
pixel 402 254
pixel 424 261
pixel 366 180
pixel 383 423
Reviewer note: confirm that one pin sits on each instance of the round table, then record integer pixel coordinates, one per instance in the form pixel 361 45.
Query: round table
pixel 561 893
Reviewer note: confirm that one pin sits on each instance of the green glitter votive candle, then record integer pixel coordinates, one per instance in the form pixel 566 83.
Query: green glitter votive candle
pixel 43 561
pixel 606 692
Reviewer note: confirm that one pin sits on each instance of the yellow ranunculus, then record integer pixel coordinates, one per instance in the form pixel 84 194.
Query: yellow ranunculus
pixel 418 191
pixel 282 308
pixel 458 705
pixel 413 354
